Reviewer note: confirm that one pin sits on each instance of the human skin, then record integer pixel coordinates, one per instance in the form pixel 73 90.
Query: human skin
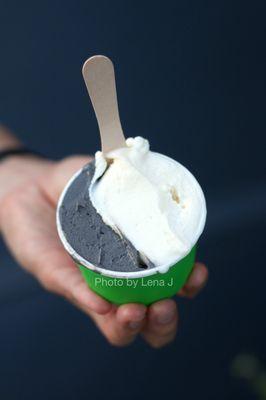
pixel 29 190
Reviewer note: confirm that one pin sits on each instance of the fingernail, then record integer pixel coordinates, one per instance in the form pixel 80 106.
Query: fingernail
pixel 138 319
pixel 166 318
pixel 134 325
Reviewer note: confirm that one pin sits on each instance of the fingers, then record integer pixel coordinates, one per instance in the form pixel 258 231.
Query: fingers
pixel 122 324
pixel 162 317
pixel 161 325
pixel 196 282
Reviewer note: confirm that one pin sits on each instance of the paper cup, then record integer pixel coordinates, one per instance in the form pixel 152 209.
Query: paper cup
pixel 143 286
pixel 144 289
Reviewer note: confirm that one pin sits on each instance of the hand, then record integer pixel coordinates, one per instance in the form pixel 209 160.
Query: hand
pixel 30 188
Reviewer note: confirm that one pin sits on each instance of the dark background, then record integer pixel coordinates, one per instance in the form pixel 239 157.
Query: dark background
pixel 190 78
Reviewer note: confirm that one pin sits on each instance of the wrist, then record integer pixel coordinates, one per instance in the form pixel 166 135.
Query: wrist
pixel 13 152
pixel 22 152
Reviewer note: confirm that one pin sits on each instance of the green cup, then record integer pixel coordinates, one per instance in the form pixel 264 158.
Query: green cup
pixel 145 289
pixel 145 286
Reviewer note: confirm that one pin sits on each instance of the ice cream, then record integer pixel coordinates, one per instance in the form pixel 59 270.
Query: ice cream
pixel 131 209
pixel 86 237
pixel 150 199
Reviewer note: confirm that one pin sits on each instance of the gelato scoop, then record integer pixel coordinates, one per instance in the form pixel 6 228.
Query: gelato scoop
pixel 150 199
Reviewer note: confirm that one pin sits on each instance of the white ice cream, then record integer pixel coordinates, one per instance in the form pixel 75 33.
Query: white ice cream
pixel 155 202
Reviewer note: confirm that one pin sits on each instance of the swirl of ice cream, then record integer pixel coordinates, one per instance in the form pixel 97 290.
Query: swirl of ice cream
pixel 150 199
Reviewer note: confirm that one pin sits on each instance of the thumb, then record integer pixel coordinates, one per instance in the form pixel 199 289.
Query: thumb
pixel 62 171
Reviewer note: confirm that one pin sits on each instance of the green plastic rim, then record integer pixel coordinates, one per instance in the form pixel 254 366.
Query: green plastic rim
pixel 145 290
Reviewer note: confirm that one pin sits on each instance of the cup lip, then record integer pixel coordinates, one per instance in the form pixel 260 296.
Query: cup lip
pixel 119 274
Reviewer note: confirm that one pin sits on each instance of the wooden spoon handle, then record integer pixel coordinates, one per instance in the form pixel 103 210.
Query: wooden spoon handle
pixel 99 76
